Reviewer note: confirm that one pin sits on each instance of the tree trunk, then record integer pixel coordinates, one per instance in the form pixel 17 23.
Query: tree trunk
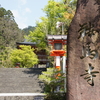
pixel 84 52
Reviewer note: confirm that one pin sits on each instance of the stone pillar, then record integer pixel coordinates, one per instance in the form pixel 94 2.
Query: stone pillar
pixel 83 81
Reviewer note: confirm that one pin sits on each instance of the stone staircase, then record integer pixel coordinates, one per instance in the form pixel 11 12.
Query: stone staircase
pixel 20 80
pixel 22 98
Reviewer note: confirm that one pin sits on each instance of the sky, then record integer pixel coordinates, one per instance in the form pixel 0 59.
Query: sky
pixel 26 12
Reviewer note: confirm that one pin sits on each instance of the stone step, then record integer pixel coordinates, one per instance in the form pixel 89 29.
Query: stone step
pixel 22 96
pixel 21 80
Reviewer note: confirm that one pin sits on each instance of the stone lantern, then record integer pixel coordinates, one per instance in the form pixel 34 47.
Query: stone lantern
pixel 57 42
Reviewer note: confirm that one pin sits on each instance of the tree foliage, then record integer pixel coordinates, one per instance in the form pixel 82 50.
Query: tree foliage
pixel 55 11
pixel 52 78
pixel 4 58
pixel 9 31
pixel 28 29
pixel 24 56
pixel 39 34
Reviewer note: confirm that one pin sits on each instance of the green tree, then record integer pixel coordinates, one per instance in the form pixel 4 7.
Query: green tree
pixel 2 12
pixel 52 79
pixel 4 58
pixel 28 29
pixel 24 56
pixel 39 34
pixel 9 31
pixel 55 11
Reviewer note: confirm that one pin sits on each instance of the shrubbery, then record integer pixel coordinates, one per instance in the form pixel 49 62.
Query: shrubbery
pixel 24 56
pixel 4 58
pixel 53 79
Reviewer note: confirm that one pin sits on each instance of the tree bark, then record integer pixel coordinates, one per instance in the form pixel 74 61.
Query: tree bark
pixel 87 16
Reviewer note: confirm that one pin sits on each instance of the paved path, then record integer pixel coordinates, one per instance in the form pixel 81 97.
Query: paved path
pixel 20 80
pixel 22 98
pixel 21 84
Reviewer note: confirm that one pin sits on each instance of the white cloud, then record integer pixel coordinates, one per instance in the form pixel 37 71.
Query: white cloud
pixel 28 10
pixel 20 20
pixel 23 2
pixel 16 13
pixel 21 25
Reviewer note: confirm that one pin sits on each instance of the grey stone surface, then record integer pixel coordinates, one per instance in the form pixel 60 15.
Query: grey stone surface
pixel 22 98
pixel 20 80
